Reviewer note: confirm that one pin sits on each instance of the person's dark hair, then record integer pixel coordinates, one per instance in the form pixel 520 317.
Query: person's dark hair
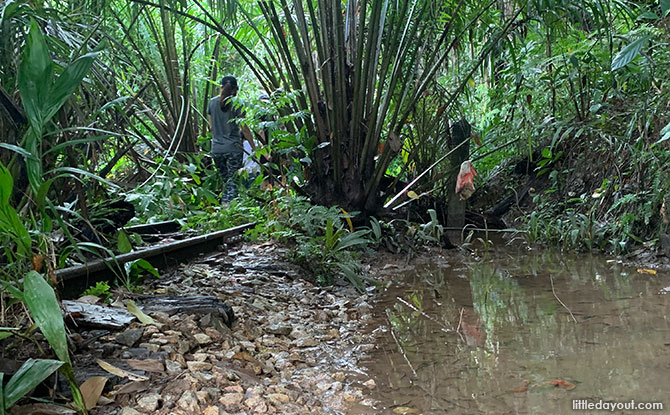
pixel 228 88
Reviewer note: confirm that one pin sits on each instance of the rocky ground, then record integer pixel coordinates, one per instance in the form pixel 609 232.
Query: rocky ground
pixel 293 348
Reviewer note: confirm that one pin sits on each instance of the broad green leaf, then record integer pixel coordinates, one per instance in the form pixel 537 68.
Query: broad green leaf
pixel 665 7
pixel 18 150
pixel 627 54
pixel 41 301
pixel 135 310
pixel 123 243
pixel 648 15
pixel 35 72
pixel 6 185
pixel 665 133
pixel 352 239
pixel 15 292
pixel 5 334
pixel 67 82
pixel 139 267
pixel 43 306
pixel 2 394
pixel 33 144
pixel 73 172
pixel 10 222
pixel 29 375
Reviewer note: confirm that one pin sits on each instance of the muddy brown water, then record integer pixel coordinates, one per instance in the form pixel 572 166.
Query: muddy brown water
pixel 466 337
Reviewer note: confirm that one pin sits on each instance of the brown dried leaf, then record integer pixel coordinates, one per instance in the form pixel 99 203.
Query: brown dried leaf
pixel 92 389
pixel 132 387
pixel 89 299
pixel 147 365
pixel 120 372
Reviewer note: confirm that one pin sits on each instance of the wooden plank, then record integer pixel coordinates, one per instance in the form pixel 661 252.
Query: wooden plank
pixel 118 261
pixel 91 315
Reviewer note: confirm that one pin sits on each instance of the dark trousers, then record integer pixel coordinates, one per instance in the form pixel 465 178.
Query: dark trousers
pixel 228 164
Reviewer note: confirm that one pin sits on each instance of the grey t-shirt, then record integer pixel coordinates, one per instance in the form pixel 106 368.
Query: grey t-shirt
pixel 226 137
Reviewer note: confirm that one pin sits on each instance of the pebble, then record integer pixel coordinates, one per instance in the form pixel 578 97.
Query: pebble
pixel 278 399
pixel 211 410
pixel 231 398
pixel 188 402
pixel 149 403
pixel 129 337
pixel 279 329
pixel 129 411
pixel 195 366
pixel 202 339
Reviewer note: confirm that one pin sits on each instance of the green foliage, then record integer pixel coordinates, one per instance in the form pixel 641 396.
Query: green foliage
pixel 14 236
pixel 135 271
pixel 100 289
pixel 29 375
pixel 41 300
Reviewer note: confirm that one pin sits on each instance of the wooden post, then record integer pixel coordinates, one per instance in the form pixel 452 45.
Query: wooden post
pixel 460 132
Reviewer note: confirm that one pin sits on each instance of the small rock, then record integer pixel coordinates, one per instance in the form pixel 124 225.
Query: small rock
pixel 279 329
pixel 306 342
pixel 129 337
pixel 216 322
pixel 211 410
pixel 200 357
pixel 197 366
pixel 234 389
pixel 277 399
pixel 370 384
pixel 150 347
pixel 188 402
pixel 256 404
pixel 149 403
pixel 203 396
pixel 202 339
pixel 231 399
pixel 129 411
pixel 173 368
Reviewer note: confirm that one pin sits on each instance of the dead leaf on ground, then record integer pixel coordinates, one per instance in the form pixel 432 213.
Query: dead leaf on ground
pixel 132 387
pixel 120 372
pixel 92 389
pixel 89 299
pixel 148 365
pixel 522 389
pixel 562 384
pixel 646 271
pixel 134 310
pixel 245 356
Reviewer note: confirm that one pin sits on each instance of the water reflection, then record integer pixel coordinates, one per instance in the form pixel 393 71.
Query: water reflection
pixel 463 337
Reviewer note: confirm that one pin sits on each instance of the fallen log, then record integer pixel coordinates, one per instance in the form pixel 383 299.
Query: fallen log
pixel 110 262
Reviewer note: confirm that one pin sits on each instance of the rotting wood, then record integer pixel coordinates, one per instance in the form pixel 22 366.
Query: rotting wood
pixel 199 305
pixel 116 262
pixel 91 315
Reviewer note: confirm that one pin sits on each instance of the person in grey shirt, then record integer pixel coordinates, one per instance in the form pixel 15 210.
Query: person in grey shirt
pixel 227 136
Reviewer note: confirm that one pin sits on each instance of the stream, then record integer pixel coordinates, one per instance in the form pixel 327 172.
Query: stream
pixel 491 336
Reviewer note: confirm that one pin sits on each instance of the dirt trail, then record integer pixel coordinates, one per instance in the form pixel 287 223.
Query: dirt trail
pixel 293 348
